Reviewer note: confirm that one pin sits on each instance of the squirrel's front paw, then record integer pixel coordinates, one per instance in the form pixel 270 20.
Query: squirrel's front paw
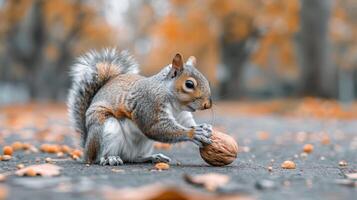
pixel 156 158
pixel 202 135
pixel 111 160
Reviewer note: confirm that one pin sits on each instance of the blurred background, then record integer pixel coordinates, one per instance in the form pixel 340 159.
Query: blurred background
pixel 256 49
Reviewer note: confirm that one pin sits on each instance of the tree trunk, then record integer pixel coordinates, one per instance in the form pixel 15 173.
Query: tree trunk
pixel 235 54
pixel 319 75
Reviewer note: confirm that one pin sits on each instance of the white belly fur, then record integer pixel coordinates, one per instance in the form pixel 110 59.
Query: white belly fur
pixel 123 138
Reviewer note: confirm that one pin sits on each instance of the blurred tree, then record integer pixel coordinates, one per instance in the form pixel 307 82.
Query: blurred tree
pixel 40 39
pixel 343 31
pixel 286 42
pixel 319 74
pixel 229 33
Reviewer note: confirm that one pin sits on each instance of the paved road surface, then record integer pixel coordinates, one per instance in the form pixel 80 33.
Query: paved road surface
pixel 314 177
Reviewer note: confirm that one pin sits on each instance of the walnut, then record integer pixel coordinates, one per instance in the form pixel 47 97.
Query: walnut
pixel 222 151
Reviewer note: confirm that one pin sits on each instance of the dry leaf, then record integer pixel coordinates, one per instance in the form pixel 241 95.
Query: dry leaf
pixel 162 166
pixel 288 164
pixel 2 178
pixel 7 150
pixel 3 192
pixel 118 170
pixel 163 192
pixel 263 135
pixel 308 148
pixel 6 158
pixel 209 181
pixel 41 170
pixel 160 145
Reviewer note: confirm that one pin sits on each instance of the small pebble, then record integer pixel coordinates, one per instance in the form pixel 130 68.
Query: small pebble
pixel 20 166
pixel 48 160
pixel 303 155
pixel 33 149
pixel 286 183
pixel 60 154
pixel 265 184
pixel 342 163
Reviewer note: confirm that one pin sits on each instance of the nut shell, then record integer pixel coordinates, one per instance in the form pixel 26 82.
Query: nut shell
pixel 222 151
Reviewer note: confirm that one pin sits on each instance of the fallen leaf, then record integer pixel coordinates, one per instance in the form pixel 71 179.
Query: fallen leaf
pixel 6 158
pixel 41 170
pixel 2 178
pixel 162 166
pixel 346 182
pixel 288 164
pixel 160 145
pixel 117 170
pixel 3 192
pixel 163 192
pixel 263 135
pixel 210 181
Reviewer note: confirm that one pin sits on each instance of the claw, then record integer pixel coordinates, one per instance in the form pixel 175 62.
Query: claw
pixel 111 160
pixel 202 136
pixel 160 158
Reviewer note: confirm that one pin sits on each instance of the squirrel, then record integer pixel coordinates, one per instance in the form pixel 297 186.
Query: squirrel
pixel 120 113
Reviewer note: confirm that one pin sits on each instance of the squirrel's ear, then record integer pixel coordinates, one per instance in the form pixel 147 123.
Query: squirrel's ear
pixel 191 61
pixel 177 65
pixel 177 62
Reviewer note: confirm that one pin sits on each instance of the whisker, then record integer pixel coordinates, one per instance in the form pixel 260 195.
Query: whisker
pixel 213 119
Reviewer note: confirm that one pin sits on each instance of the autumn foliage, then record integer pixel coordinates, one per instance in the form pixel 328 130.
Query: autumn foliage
pixel 40 39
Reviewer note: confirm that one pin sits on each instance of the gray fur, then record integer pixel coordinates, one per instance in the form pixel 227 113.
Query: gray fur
pixel 156 113
pixel 86 83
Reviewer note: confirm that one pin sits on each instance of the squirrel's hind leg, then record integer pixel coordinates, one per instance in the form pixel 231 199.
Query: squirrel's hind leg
pixel 104 138
pixel 111 143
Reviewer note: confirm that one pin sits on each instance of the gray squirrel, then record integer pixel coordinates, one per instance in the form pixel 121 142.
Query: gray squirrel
pixel 119 113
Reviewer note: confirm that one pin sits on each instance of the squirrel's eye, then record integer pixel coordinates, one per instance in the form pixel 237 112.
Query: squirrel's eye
pixel 189 84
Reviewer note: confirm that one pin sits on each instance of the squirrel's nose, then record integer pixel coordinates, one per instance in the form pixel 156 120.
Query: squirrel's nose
pixel 208 104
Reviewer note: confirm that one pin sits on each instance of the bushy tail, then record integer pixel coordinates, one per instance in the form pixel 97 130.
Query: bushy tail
pixel 89 74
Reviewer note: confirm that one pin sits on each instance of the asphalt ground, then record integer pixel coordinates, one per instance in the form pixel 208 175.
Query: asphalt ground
pixel 263 141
